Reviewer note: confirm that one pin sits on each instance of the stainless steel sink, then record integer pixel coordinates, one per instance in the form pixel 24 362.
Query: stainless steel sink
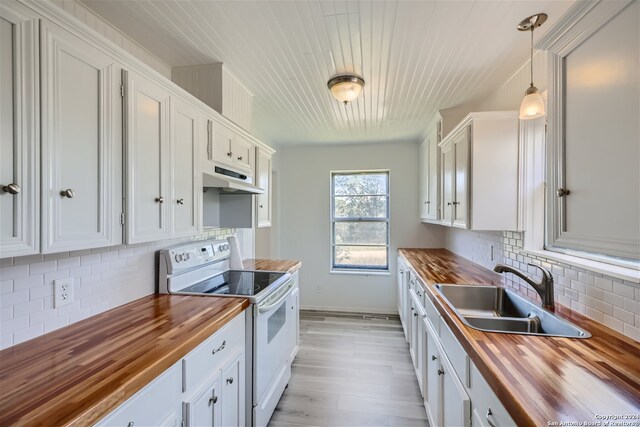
pixel 495 309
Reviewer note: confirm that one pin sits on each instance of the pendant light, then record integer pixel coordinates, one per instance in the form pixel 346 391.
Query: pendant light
pixel 345 88
pixel 532 105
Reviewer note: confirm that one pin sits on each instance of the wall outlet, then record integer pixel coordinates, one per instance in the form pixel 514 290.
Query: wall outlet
pixel 62 292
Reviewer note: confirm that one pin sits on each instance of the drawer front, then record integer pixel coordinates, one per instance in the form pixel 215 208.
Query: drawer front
pixel 201 363
pixel 486 405
pixel 455 353
pixel 157 404
pixel 433 317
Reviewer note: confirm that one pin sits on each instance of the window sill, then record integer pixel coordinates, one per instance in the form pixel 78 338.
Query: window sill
pixel 624 273
pixel 362 272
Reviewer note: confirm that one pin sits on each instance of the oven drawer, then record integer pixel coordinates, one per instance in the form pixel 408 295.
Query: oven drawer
pixel 205 359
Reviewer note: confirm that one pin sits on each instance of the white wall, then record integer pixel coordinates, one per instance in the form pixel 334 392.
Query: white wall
pixel 305 221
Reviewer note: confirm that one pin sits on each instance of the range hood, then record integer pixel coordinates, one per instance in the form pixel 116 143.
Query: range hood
pixel 229 181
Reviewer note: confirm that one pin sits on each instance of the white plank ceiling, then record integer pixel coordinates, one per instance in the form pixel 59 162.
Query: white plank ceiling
pixel 416 56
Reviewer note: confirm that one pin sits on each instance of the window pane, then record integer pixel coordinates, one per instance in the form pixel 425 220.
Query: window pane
pixel 364 233
pixel 360 256
pixel 360 207
pixel 375 183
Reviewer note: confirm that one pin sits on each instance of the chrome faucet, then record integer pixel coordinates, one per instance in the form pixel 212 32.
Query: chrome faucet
pixel 544 288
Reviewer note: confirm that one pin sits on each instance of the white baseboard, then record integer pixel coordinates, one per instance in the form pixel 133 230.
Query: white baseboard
pixel 349 310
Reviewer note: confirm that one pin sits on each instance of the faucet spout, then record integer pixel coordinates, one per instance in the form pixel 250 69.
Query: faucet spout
pixel 544 288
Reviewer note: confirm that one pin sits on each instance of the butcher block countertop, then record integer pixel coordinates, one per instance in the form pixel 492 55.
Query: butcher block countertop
pixel 78 374
pixel 272 265
pixel 540 380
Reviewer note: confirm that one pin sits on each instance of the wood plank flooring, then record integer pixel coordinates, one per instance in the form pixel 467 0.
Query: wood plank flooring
pixel 351 371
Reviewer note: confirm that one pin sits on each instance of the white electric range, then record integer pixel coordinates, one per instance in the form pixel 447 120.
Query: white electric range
pixel 202 268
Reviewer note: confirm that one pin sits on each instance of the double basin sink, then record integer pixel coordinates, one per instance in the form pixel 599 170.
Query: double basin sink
pixel 495 309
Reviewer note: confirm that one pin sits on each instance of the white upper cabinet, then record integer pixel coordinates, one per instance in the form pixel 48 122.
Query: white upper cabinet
pixel 81 143
pixel 230 149
pixel 263 175
pixel 480 172
pixel 429 175
pixel 19 133
pixel 186 192
pixel 148 165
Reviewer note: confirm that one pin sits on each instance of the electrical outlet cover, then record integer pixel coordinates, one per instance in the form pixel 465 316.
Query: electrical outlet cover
pixel 62 292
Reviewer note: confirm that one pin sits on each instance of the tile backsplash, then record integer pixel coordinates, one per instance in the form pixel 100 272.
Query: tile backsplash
pixel 605 299
pixel 103 278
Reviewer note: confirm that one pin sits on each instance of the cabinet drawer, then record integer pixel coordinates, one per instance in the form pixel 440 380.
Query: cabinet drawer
pixel 157 404
pixel 455 353
pixel 432 313
pixel 486 405
pixel 201 363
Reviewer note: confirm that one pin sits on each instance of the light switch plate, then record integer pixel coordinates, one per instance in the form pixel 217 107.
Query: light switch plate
pixel 62 292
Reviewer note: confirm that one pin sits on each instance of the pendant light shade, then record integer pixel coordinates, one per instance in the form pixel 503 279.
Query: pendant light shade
pixel 532 105
pixel 345 88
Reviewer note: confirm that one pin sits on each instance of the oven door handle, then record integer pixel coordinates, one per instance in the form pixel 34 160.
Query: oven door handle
pixel 266 308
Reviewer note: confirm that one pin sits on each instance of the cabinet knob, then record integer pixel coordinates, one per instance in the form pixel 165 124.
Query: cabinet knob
pixel 561 192
pixel 11 188
pixel 180 201
pixel 230 380
pixel 159 199
pixel 440 372
pixel 131 423
pixel 261 206
pixel 213 400
pixel 415 314
pixel 427 202
pixel 229 154
pixel 433 357
pixel 240 158
pixel 68 193
pixel 449 203
pixel 455 203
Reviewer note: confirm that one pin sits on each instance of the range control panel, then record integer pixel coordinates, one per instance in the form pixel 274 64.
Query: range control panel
pixel 196 254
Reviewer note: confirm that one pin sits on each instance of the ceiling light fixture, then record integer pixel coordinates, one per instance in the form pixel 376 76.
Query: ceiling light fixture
pixel 532 105
pixel 345 88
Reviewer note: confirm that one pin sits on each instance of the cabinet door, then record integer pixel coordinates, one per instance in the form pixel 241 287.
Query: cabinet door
pixel 185 179
pixel 244 153
pixel 413 345
pixel 462 145
pixel 221 145
pixel 424 179
pixel 294 308
pixel 448 177
pixel 233 403
pixel 456 405
pixel 433 175
pixel 19 132
pixel 204 408
pixel 81 143
pixel 399 284
pixel 434 380
pixel 148 165
pixel 264 182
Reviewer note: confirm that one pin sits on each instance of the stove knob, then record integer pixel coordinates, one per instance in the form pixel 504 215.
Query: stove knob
pixel 186 256
pixel 179 257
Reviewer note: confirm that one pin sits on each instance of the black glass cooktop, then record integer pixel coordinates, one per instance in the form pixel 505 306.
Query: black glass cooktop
pixel 236 282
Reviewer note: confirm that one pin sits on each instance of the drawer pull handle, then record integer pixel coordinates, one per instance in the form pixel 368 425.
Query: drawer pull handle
pixel 489 414
pixel 230 380
pixel 215 350
pixel 213 400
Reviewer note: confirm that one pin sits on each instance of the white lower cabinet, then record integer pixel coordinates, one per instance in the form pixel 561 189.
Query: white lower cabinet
pixel 205 388
pixel 454 391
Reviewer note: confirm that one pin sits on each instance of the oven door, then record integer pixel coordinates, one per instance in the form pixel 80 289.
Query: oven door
pixel 272 339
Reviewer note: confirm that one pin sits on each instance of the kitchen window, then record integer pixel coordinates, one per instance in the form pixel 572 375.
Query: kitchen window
pixel 360 221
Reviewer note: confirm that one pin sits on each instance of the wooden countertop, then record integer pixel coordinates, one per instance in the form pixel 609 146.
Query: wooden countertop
pixel 272 265
pixel 539 379
pixel 78 374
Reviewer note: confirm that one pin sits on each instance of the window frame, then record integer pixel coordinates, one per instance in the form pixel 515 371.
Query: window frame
pixel 368 270
pixel 560 44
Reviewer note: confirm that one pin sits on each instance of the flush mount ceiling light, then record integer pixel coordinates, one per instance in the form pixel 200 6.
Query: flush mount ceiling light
pixel 532 105
pixel 345 88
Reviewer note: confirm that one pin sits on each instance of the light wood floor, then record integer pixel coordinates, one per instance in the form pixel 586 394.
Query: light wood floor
pixel 351 371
